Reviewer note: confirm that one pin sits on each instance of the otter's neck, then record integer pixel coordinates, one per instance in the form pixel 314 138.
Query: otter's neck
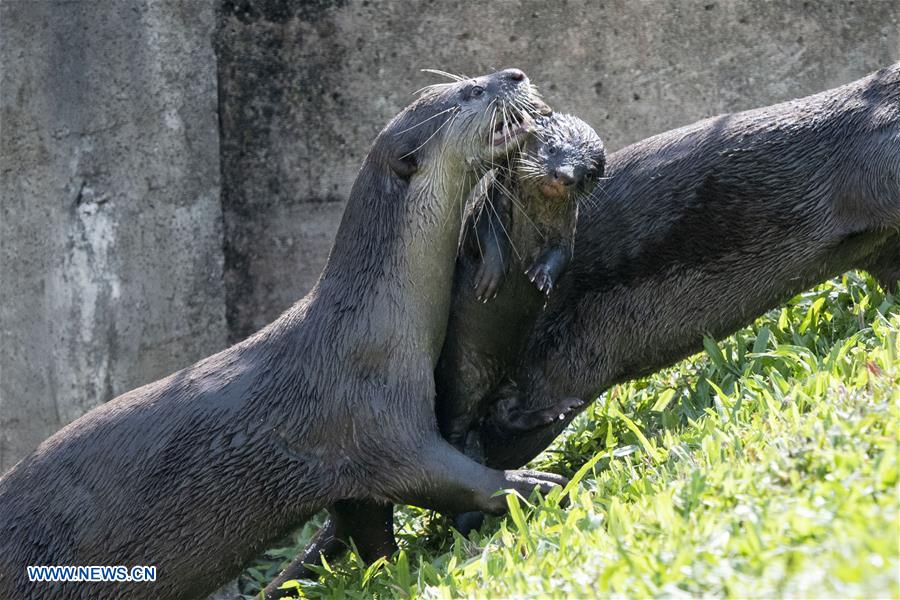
pixel 390 272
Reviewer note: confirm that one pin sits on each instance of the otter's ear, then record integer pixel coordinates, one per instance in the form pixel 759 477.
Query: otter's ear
pixel 404 163
pixel 543 109
pixel 404 156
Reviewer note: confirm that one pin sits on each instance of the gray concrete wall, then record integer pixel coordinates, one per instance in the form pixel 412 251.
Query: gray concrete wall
pixel 123 255
pixel 631 68
pixel 111 233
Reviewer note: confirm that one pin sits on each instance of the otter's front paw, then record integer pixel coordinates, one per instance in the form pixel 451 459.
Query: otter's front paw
pixel 539 274
pixel 488 279
pixel 524 482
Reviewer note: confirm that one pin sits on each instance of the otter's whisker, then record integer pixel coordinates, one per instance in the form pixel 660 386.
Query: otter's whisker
pixel 527 161
pixel 521 208
pixel 522 119
pixel 423 121
pixel 445 74
pixel 490 203
pixel 491 130
pixel 451 118
pixel 476 215
pixel 434 88
pixel 420 146
pixel 530 167
pixel 506 127
pixel 592 198
pixel 522 105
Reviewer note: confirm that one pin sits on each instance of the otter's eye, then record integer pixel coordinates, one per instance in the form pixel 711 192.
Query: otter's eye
pixel 551 150
pixel 476 91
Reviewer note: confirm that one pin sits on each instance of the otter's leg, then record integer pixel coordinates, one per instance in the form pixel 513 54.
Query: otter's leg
pixel 451 483
pixel 325 543
pixel 448 481
pixel 462 373
pixel 369 524
pixel 491 226
pixel 469 521
pixel 548 266
pixel 556 253
pixel 885 265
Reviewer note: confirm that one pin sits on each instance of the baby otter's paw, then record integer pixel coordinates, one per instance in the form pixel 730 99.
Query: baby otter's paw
pixel 513 418
pixel 540 276
pixel 488 279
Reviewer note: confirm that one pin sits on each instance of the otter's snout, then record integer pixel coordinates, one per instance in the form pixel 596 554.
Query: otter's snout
pixel 518 76
pixel 565 174
pixel 513 74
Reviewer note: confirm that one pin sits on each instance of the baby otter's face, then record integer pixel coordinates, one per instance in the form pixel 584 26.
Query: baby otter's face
pixel 564 159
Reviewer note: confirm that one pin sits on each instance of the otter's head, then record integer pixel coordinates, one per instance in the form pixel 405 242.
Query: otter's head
pixel 455 126
pixel 564 159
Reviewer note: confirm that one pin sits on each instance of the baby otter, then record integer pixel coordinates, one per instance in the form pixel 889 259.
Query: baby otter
pixel 516 244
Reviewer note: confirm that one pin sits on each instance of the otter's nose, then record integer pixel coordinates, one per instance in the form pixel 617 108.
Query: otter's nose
pixel 514 74
pixel 564 174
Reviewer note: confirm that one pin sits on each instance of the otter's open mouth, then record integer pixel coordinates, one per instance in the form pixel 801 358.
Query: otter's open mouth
pixel 510 129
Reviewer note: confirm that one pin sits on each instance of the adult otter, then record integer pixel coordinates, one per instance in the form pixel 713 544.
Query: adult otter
pixel 198 472
pixel 700 230
pixel 516 243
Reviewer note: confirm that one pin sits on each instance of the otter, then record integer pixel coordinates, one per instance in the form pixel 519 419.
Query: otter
pixel 198 472
pixel 700 230
pixel 517 242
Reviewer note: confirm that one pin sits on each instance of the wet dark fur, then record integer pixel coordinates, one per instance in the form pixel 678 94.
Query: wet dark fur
pixel 700 230
pixel 696 232
pixel 516 222
pixel 199 472
pixel 485 338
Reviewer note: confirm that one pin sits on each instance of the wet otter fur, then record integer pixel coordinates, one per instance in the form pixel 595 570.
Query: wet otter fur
pixel 516 243
pixel 198 472
pixel 700 230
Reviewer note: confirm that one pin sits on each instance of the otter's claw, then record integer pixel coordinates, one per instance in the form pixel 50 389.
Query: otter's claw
pixel 487 280
pixel 540 276
pixel 524 482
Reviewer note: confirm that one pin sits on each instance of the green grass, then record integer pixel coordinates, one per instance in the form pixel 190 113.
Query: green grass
pixel 764 466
